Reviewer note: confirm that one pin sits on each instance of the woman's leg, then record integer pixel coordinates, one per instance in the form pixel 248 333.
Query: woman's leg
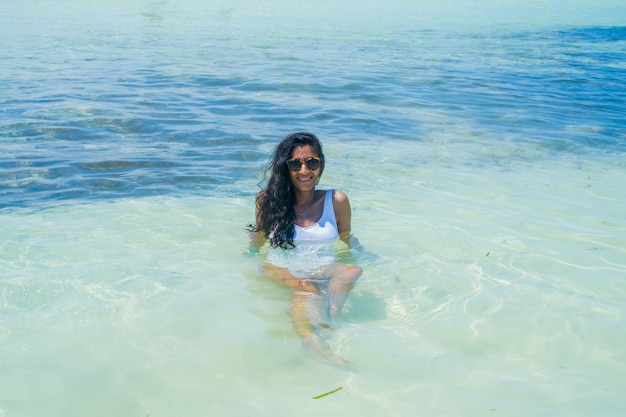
pixel 308 312
pixel 284 276
pixel 310 307
pixel 342 280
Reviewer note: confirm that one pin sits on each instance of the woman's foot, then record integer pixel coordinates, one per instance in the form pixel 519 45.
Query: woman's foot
pixel 320 350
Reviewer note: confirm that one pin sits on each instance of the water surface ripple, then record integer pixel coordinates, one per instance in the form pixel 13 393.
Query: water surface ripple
pixel 482 146
pixel 157 119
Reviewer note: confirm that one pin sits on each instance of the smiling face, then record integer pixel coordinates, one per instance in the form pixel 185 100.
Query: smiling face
pixel 304 179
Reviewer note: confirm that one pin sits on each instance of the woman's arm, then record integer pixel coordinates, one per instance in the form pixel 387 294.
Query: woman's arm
pixel 343 215
pixel 258 238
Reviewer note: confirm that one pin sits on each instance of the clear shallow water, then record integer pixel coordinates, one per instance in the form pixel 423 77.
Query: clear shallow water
pixel 483 158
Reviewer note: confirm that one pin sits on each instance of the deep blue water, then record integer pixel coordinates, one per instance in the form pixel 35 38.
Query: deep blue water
pixel 112 115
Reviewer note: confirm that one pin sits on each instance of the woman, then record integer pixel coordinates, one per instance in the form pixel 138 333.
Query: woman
pixel 295 216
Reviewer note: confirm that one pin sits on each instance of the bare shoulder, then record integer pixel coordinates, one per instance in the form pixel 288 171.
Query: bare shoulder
pixel 260 197
pixel 343 213
pixel 340 197
pixel 341 203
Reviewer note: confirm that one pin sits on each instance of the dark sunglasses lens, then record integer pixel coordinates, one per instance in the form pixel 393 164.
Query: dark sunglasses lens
pixel 293 165
pixel 313 164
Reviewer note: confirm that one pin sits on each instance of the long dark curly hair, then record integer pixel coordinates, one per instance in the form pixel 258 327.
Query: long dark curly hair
pixel 276 201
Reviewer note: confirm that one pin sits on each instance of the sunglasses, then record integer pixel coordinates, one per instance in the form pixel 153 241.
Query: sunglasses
pixel 311 163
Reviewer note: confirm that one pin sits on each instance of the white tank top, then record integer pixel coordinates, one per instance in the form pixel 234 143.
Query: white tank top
pixel 326 226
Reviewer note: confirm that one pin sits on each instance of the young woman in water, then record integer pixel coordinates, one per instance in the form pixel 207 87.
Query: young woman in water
pixel 295 216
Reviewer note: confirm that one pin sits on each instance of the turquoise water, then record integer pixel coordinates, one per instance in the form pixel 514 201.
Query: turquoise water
pixel 481 144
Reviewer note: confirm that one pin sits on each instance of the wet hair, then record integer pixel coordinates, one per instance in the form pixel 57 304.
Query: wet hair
pixel 276 201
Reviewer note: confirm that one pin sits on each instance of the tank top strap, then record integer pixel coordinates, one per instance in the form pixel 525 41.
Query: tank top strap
pixel 329 211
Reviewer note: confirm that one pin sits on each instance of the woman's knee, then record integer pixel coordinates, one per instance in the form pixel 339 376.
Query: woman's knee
pixel 356 271
pixel 350 274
